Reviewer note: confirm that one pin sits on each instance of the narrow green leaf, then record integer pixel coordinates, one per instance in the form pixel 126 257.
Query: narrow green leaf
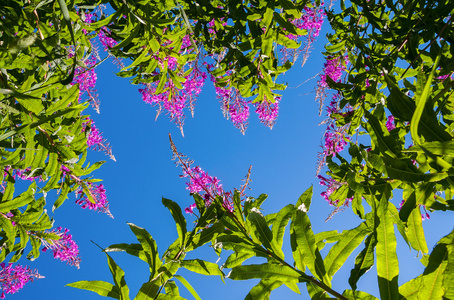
pixel 263 290
pixel 432 285
pixel 387 263
pixel 149 246
pixel 364 261
pixel 119 278
pixel 279 224
pixel 304 246
pixel 267 271
pixel 305 200
pixel 421 102
pixel 102 288
pixel 349 294
pixel 201 267
pixel 147 291
pixel 188 286
pixel 260 228
pixel 349 240
pixel 410 289
pixel 415 231
pixel 177 215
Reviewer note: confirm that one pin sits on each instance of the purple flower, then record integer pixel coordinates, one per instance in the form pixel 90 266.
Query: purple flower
pixel 95 141
pixel 98 193
pixel 333 68
pixel 12 279
pixel 268 111
pixel 64 249
pixel 390 123
pixel 331 186
pixel 172 99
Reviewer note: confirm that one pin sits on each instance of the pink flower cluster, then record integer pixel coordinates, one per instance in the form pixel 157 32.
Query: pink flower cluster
pixel 98 193
pixel 200 182
pixel 268 111
pixel 333 68
pixel 331 186
pixel 12 279
pixel 64 249
pixel 95 140
pixel 312 21
pixel 173 99
pixel 390 123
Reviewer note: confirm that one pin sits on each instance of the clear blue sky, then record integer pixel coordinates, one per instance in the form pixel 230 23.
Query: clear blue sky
pixel 283 166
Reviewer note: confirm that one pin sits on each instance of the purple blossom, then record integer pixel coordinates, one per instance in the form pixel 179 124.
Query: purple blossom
pixel 95 140
pixel 172 99
pixel 311 20
pixel 200 182
pixel 64 249
pixel 106 41
pixel 331 186
pixel 98 193
pixel 12 279
pixel 268 111
pixel 390 123
pixel 333 68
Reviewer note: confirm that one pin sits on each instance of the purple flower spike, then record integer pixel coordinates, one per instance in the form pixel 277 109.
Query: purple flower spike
pixel 98 193
pixel 64 249
pixel 12 279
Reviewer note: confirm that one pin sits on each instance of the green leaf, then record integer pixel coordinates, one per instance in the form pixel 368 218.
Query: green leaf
pixel 119 278
pixel 149 247
pixel 279 224
pixel 102 288
pixel 177 215
pixel 336 47
pixel 305 200
pixel 415 231
pixel 304 248
pixel 364 261
pixel 201 267
pixel 432 285
pixel 188 286
pixel 349 294
pixel 238 257
pixel 387 263
pixel 263 289
pixel 421 102
pixel 23 199
pixel 260 228
pixel 410 289
pixel 349 240
pixel 147 291
pixel 71 96
pixel 267 271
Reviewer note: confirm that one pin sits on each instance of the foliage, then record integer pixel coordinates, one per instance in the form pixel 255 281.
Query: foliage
pixel 245 233
pixel 393 108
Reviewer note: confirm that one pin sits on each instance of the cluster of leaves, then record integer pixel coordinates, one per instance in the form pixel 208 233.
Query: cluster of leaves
pixel 248 233
pixel 43 132
pixel 401 67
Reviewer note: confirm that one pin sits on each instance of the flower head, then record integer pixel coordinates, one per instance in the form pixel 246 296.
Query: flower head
pixel 98 194
pixel 64 248
pixel 12 279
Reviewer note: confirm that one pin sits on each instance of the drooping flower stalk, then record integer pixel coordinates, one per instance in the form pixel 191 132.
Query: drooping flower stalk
pixel 333 68
pixel 95 140
pixel 268 111
pixel 12 279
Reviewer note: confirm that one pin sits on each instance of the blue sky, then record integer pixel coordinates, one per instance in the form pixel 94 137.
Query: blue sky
pixel 283 166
